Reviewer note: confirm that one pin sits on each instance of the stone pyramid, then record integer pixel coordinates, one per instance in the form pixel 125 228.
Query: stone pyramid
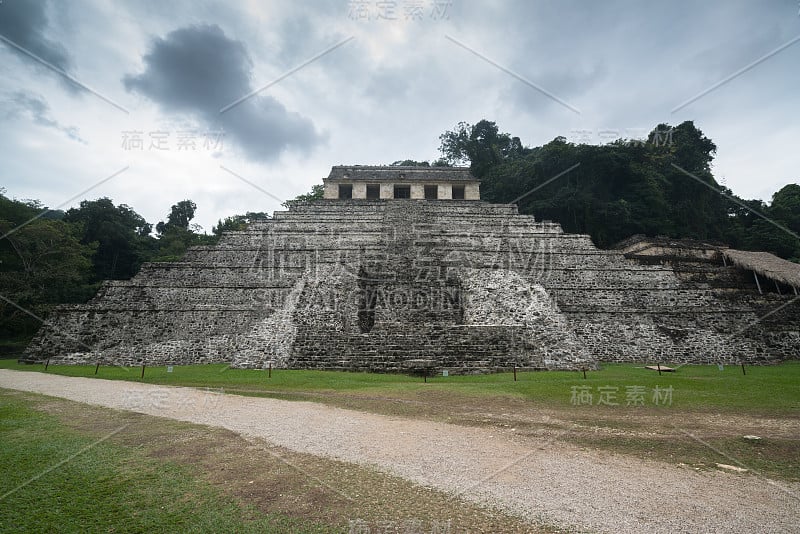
pixel 417 285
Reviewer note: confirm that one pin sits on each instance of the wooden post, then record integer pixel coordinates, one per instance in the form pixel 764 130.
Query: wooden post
pixel 758 284
pixel 96 368
pixel 270 370
pixel 584 374
pixel 515 373
pixel 47 364
pixel 143 366
pixel 743 371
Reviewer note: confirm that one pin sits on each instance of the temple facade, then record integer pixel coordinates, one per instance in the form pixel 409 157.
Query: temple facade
pixel 360 182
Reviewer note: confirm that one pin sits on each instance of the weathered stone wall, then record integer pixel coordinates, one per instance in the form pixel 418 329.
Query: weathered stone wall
pixel 271 339
pixel 390 285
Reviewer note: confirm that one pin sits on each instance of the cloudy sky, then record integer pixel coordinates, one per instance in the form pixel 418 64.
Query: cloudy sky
pixel 236 106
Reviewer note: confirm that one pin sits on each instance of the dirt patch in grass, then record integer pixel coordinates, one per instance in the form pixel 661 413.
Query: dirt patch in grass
pixel 670 434
pixel 664 433
pixel 273 479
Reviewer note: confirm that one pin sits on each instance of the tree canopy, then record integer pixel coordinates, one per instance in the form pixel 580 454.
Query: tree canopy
pixel 42 263
pixel 48 257
pixel 663 185
pixel 121 237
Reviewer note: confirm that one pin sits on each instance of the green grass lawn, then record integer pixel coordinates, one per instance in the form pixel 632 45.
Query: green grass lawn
pixel 55 479
pixel 109 487
pixel 764 389
pixel 71 467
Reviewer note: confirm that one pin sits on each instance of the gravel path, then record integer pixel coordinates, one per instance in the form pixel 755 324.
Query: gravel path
pixel 583 490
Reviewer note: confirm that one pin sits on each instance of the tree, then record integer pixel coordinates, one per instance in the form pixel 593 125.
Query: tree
pixel 482 145
pixel 662 187
pixel 178 234
pixel 179 217
pixel 238 222
pixel 690 148
pixel 121 235
pixel 42 263
pixel 784 211
pixel 766 236
pixel 317 193
pixel 785 207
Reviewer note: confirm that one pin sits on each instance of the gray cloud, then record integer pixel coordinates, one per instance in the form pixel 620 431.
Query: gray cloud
pixel 388 85
pixel 300 36
pixel 571 86
pixel 25 23
pixel 198 70
pixel 36 108
pixel 390 92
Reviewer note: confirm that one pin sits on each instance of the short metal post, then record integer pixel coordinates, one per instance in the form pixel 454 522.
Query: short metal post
pixel 143 366
pixel 584 373
pixel 515 373
pixel 270 370
pixel 47 364
pixel 659 368
pixel 96 367
pixel 743 371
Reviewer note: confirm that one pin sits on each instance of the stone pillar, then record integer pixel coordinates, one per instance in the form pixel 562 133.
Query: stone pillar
pixel 445 191
pixel 417 191
pixel 331 191
pixel 387 190
pixel 360 190
pixel 472 192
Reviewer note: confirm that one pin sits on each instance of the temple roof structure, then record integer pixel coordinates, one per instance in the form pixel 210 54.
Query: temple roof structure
pixel 394 173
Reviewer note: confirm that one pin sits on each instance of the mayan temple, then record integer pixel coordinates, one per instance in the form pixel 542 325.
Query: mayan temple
pixel 405 269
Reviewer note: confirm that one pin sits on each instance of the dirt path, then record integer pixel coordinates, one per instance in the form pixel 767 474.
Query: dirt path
pixel 546 481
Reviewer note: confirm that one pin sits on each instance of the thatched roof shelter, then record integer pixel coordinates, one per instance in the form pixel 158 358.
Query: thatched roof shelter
pixel 766 265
